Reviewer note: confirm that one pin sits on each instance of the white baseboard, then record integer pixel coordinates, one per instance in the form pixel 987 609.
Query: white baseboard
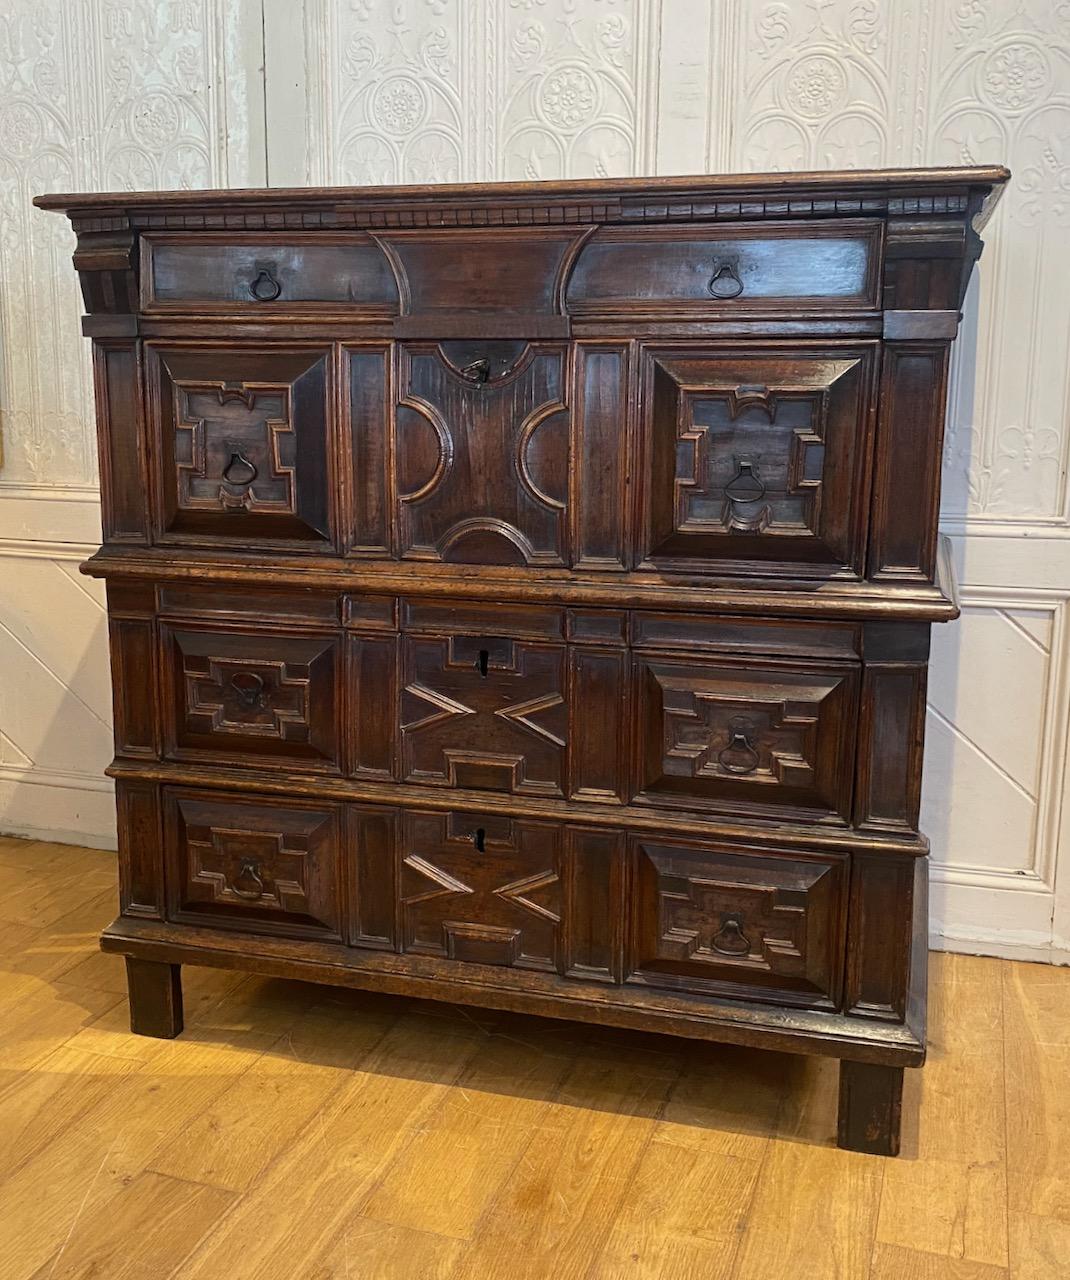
pixel 1035 948
pixel 60 808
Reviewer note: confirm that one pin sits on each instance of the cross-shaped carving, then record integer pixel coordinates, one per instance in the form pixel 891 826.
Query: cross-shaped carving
pixel 234 447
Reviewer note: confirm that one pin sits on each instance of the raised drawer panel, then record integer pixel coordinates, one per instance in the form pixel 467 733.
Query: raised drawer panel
pixel 263 696
pixel 249 863
pixel 647 269
pixel 482 888
pixel 758 736
pixel 242 442
pixel 756 462
pixel 485 712
pixel 267 274
pixel 717 921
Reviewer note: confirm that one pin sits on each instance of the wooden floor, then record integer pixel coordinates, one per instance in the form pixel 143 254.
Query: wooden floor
pixel 305 1133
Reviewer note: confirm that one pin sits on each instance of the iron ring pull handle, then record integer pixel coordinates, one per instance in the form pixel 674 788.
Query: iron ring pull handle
pixel 249 870
pixel 265 287
pixel 239 471
pixel 739 744
pixel 746 485
pixel 725 282
pixel 248 689
pixel 730 940
pixel 477 371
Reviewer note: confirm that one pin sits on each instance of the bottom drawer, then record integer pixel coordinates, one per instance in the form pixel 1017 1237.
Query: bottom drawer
pixel 468 886
pixel 716 920
pixel 246 863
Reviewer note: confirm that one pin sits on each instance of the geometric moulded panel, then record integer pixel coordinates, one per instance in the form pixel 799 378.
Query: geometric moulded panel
pixel 251 863
pixel 717 921
pixel 756 736
pixel 756 463
pixel 483 888
pixel 251 696
pixel 241 437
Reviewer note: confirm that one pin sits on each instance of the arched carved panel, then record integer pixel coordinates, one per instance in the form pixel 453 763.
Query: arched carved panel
pixel 482 453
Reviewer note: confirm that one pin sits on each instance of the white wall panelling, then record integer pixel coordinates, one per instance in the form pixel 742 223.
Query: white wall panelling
pixel 370 91
pixel 94 94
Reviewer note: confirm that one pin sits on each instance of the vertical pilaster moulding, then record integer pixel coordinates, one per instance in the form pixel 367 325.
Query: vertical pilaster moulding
pixel 727 60
pixel 683 104
pixel 298 112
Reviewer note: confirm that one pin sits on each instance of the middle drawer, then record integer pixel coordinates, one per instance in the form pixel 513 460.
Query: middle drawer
pixel 692 714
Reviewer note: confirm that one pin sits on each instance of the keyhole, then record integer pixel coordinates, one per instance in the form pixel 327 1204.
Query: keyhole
pixel 479 839
pixel 484 662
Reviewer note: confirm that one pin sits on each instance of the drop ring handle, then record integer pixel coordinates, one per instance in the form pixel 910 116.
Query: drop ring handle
pixel 265 287
pixel 725 282
pixel 739 756
pixel 239 471
pixel 248 689
pixel 249 870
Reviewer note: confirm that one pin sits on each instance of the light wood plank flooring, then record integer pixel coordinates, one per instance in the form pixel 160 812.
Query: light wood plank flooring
pixel 304 1133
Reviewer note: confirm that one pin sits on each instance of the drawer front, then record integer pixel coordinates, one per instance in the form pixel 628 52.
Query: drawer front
pixel 717 921
pixel 715 267
pixel 776 738
pixel 241 445
pixel 485 712
pixel 267 696
pixel 482 452
pixel 250 863
pixel 267 275
pixel 756 463
pixel 481 888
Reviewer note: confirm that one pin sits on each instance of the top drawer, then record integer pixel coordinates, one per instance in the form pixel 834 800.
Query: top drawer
pixel 829 266
pixel 208 273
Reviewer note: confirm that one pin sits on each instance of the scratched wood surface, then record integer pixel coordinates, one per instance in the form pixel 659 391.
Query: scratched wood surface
pixel 303 1133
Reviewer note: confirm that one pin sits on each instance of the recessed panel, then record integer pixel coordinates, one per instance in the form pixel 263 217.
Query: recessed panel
pixel 485 712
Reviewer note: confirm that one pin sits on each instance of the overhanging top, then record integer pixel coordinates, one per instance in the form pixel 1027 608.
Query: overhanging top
pixel 860 191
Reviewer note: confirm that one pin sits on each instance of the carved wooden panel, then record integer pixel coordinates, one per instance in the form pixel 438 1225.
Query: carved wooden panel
pixel 756 459
pixel 262 695
pixel 482 453
pixel 715 920
pixel 201 273
pixel 482 888
pixel 483 711
pixel 749 735
pixel 242 442
pixel 253 863
pixel 515 272
pixel 691 270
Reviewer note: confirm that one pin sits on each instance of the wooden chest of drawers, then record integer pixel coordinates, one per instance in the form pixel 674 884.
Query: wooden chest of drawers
pixel 520 595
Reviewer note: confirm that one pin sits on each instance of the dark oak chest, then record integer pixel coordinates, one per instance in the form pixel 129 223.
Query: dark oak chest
pixel 520 595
